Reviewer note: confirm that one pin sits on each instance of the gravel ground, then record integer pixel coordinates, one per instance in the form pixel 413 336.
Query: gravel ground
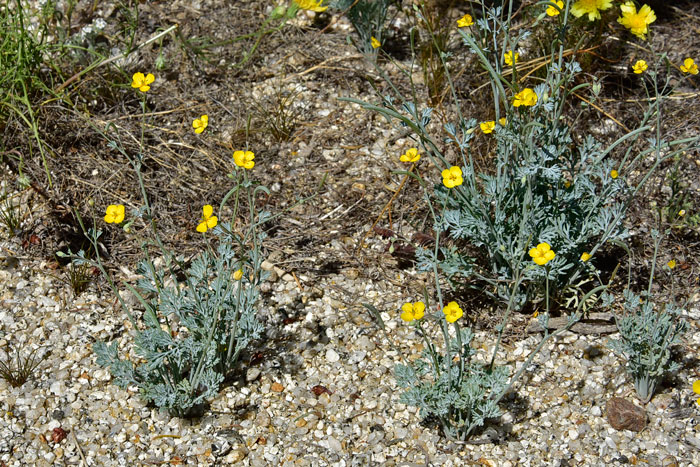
pixel 323 394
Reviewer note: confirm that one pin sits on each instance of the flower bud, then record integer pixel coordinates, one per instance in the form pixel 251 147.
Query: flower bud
pixel 278 12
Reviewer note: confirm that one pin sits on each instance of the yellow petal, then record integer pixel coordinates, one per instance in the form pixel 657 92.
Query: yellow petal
pixel 202 227
pixel 207 210
pixel 137 80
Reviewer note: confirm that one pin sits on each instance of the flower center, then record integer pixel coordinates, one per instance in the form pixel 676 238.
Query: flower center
pixel 637 22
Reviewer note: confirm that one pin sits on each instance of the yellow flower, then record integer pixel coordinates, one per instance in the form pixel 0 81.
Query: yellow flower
pixel 452 177
pixel 199 124
pixel 313 5
pixel 592 8
pixel 614 174
pixel 696 389
pixel 502 121
pixel 511 58
pixel 689 66
pixel 452 312
pixel 541 254
pixel 238 274
pixel 640 67
pixel 525 97
pixel 375 42
pixel 114 214
pixel 487 127
pixel 636 22
pixel 465 21
pixel 553 10
pixel 208 221
pixel 412 311
pixel 244 159
pixel 142 82
pixel 671 264
pixel 410 156
pixel 681 213
pixel 585 256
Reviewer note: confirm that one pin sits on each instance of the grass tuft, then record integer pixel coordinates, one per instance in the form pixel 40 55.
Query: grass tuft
pixel 18 372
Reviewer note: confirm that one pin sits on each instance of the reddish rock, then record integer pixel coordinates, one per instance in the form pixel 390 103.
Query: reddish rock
pixel 624 415
pixel 58 435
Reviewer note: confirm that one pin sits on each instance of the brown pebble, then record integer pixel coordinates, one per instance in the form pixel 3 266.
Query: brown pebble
pixel 318 390
pixel 277 387
pixel 624 415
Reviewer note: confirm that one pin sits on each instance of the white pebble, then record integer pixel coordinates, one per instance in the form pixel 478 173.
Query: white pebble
pixel 332 356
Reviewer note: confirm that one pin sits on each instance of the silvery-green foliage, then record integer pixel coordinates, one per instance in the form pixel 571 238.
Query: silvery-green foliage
pixel 367 17
pixel 646 334
pixel 458 394
pixel 209 318
pixel 544 189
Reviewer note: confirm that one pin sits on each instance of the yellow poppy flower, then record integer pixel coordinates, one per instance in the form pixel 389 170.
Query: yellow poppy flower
pixel 199 124
pixel 465 21
pixel 208 220
pixel 526 97
pixel 636 22
pixel 592 8
pixel 542 254
pixel 244 159
pixel 487 127
pixel 375 42
pixel 552 10
pixel 412 311
pixel 410 156
pixel 511 58
pixel 640 67
pixel 313 5
pixel 142 82
pixel 114 214
pixel 452 177
pixel 689 66
pixel 452 312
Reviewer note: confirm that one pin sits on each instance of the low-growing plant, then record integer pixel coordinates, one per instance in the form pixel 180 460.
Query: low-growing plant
pixel 674 210
pixel 197 318
pixel 648 330
pixel 544 185
pixel 446 381
pixel 368 18
pixel 18 372
pixel 548 195
pixel 194 328
pixel 77 275
pixel 9 213
pixel 281 111
pixel 22 55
